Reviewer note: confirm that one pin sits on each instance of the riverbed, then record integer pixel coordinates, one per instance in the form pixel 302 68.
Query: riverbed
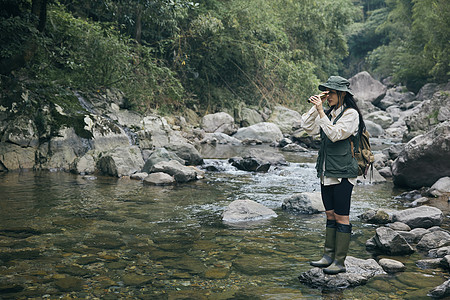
pixel 100 237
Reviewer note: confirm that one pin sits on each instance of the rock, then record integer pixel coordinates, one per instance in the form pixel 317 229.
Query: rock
pixel 219 122
pixel 301 137
pixel 284 142
pixel 409 196
pixel 219 138
pixel 217 273
pixel 285 118
pixel 432 240
pixel 139 176
pixel 84 164
pixel 21 132
pixel 253 264
pixel 106 134
pixel 414 235
pixel 304 203
pixel 445 262
pixel 374 129
pixel 14 157
pixel 294 148
pixel 394 150
pixel 246 211
pixel 159 155
pixel 250 117
pixel 121 161
pixel 391 265
pixel 359 271
pixel 135 279
pixel 381 118
pixel 250 164
pixel 418 202
pixel 439 252
pixel 258 160
pixel 390 242
pixel 178 171
pixel 159 178
pixel 441 291
pixel 432 263
pixel 386 172
pixel 367 89
pixel 69 284
pixel 423 217
pixel 375 217
pixel 399 226
pixel 265 132
pixel 434 110
pixel 373 176
pixel 440 187
pixel 187 152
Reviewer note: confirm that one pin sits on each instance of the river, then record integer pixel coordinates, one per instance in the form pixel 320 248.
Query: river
pixel 65 235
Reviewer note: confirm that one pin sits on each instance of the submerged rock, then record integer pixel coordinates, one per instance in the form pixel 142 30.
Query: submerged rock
pixel 441 291
pixel 359 271
pixel 245 211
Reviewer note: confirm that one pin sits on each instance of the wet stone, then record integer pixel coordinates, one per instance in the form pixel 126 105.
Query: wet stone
pixel 359 271
pixel 258 265
pixel 116 265
pixel 104 242
pixel 7 288
pixel 74 270
pixel 217 273
pixel 69 284
pixel 87 260
pixel 135 279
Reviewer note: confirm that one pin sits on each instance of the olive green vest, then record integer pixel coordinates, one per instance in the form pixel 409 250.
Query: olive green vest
pixel 339 161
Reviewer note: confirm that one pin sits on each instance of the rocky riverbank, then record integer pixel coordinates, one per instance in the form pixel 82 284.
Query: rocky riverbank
pixel 93 134
pixel 88 134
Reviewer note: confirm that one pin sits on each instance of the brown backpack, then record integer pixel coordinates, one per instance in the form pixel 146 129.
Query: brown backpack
pixel 363 154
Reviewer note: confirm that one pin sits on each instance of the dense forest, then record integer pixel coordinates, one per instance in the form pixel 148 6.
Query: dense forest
pixel 167 55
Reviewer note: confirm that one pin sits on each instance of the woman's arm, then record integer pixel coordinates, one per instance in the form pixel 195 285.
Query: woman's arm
pixel 346 126
pixel 309 121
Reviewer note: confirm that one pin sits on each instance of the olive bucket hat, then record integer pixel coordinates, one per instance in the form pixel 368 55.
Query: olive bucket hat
pixel 337 83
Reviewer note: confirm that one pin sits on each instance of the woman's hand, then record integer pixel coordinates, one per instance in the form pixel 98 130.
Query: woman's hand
pixel 317 100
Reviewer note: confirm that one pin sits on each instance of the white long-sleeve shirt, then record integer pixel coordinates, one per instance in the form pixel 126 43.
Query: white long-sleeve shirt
pixel 346 126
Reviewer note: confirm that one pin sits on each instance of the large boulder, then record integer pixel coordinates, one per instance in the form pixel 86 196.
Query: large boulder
pixel 187 152
pixel 250 117
pixel 106 134
pixel 381 118
pixel 359 271
pixel 258 160
pixel 285 118
pixel 433 111
pixel 121 161
pixel 265 132
pixel 160 154
pixel 159 178
pixel 246 211
pixel 174 168
pixel 440 187
pixel 367 89
pixel 425 159
pixel 441 291
pixel 14 157
pixel 434 240
pixel 22 132
pixel 391 242
pixel 219 122
pixel 420 217
pixel 304 203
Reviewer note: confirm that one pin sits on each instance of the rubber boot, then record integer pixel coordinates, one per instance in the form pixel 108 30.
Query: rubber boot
pixel 343 232
pixel 328 249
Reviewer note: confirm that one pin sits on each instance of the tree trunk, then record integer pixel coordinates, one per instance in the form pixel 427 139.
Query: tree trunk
pixel 138 24
pixel 39 9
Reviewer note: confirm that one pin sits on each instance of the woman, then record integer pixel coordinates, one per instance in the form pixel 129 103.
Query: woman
pixel 336 166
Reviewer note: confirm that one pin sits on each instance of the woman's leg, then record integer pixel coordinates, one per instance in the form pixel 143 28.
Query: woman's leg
pixel 330 229
pixel 342 198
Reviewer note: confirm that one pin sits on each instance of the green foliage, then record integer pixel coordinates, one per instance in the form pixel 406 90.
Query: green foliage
pixel 417 49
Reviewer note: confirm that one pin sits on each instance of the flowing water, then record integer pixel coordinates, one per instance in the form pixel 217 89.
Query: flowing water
pixel 64 235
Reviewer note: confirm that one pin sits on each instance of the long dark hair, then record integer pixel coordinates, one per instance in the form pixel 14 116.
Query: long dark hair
pixel 349 102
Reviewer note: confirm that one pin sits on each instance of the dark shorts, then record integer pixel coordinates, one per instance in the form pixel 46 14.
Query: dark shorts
pixel 337 197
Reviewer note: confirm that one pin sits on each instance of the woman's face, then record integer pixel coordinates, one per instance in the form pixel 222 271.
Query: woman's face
pixel 335 99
